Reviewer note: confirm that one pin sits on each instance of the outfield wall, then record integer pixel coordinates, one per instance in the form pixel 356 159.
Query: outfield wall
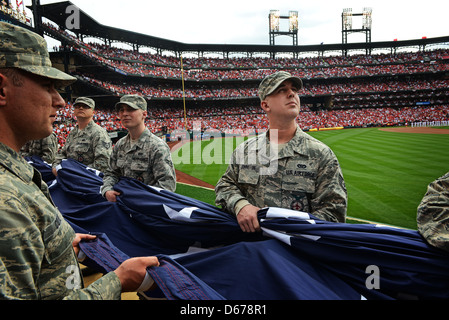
pixel 429 124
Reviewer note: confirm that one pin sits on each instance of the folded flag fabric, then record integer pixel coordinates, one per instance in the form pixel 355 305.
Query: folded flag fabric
pixel 175 281
pixel 297 256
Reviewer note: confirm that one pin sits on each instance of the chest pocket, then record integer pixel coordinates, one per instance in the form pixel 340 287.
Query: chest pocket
pixel 298 184
pixel 248 182
pixel 121 162
pixel 82 151
pixel 300 175
pixel 58 237
pixel 82 145
pixel 140 161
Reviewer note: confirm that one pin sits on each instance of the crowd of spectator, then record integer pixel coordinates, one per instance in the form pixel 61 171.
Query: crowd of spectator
pixel 222 91
pixel 359 101
pixel 258 68
pixel 249 119
pixel 16 13
pixel 244 68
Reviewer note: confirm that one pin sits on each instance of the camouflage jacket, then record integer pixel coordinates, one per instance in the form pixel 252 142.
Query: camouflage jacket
pixel 433 213
pixel 91 146
pixel 148 161
pixel 37 260
pixel 304 175
pixel 45 148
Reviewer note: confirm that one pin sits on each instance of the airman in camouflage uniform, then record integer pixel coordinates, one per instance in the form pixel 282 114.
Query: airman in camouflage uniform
pixel 38 248
pixel 45 148
pixel 37 260
pixel 147 159
pixel 300 173
pixel 307 178
pixel 91 145
pixel 433 213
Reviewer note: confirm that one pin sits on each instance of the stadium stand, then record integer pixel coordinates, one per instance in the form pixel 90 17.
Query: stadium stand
pixel 358 90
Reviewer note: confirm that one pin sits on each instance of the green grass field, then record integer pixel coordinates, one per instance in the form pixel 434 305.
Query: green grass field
pixel 386 173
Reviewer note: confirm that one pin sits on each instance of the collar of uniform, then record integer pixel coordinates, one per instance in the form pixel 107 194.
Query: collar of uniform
pixel 87 128
pixel 15 163
pixel 140 141
pixel 292 147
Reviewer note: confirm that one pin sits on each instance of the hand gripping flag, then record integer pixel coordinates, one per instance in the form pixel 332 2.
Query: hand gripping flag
pixel 296 257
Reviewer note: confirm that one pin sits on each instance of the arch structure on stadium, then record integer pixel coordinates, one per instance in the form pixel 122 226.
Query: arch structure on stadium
pixel 56 12
pixel 406 74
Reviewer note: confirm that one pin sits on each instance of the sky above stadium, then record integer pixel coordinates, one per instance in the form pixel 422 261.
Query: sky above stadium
pixel 246 21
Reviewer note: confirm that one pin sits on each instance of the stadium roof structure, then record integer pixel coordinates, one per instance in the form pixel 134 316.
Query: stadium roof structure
pixel 56 12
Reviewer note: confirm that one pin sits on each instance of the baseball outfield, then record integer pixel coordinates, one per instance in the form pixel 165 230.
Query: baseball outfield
pixel 386 170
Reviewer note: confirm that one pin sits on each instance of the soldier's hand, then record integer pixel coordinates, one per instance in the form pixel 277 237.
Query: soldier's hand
pixel 77 240
pixel 132 272
pixel 111 195
pixel 247 218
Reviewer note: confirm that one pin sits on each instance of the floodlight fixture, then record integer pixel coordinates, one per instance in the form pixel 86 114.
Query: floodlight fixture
pixel 274 20
pixel 347 18
pixel 293 21
pixel 367 18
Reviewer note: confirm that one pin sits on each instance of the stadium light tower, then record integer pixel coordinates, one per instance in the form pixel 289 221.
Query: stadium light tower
pixel 346 25
pixel 274 18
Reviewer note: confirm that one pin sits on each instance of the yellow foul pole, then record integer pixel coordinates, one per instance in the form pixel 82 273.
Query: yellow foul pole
pixel 183 95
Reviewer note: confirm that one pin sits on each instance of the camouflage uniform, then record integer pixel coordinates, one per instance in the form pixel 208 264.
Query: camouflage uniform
pixel 148 161
pixel 91 146
pixel 433 213
pixel 305 175
pixel 45 148
pixel 37 260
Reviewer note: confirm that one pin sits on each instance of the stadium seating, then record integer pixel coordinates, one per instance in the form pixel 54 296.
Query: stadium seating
pixel 364 90
pixel 251 119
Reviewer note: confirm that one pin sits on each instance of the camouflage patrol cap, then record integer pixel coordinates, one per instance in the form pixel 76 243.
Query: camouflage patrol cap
pixel 84 100
pixel 26 50
pixel 271 82
pixel 132 100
